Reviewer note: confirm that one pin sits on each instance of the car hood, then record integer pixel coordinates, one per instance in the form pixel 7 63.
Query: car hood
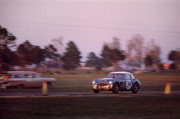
pixel 103 80
pixel 30 79
pixel 48 79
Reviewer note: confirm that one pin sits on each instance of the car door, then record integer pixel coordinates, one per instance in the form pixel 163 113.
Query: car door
pixel 34 81
pixel 128 78
pixel 122 81
pixel 17 79
pixel 28 79
pixel 39 80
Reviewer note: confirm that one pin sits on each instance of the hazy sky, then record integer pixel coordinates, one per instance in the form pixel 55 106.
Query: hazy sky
pixel 90 23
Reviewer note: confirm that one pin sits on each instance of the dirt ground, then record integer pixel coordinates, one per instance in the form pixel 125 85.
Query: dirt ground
pixel 157 106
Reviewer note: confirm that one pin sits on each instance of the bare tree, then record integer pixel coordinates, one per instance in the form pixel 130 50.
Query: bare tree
pixel 115 43
pixel 174 56
pixel 58 43
pixel 135 50
pixel 153 50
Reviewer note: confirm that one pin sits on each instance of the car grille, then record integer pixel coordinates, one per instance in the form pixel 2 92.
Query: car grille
pixel 102 84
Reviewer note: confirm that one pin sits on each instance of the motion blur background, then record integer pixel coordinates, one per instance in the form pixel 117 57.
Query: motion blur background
pixel 92 24
pixel 77 41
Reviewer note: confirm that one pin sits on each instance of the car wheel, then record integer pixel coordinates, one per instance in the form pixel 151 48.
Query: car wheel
pixel 135 88
pixel 4 86
pixel 49 84
pixel 115 89
pixel 21 86
pixel 95 91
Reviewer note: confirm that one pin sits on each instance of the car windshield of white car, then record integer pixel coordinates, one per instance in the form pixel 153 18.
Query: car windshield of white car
pixel 116 75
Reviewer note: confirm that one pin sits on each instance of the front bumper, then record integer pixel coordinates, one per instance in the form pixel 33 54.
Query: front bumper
pixel 105 87
pixel 4 86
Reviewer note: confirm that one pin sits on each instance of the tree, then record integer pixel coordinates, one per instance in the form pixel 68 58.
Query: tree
pixel 58 44
pixel 38 55
pixel 174 56
pixel 24 51
pixel 30 54
pixel 135 48
pixel 93 61
pixel 112 56
pixel 51 52
pixel 115 56
pixel 8 59
pixel 115 43
pixel 6 39
pixel 105 56
pixel 154 51
pixel 71 57
pixel 7 56
pixel 148 61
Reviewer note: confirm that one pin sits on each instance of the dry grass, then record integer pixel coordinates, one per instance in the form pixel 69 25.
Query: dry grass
pixel 92 107
pixel 128 106
pixel 81 82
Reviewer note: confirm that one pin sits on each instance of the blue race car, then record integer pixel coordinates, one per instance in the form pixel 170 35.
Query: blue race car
pixel 117 81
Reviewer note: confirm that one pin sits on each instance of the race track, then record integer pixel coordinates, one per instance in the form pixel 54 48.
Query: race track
pixel 79 94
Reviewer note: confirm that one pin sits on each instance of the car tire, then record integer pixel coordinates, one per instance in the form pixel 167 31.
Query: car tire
pixel 21 86
pixel 135 88
pixel 95 91
pixel 115 89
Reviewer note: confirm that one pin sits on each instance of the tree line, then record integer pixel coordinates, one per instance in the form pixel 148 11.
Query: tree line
pixel 26 53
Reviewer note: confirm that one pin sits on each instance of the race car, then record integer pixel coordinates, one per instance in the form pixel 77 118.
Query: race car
pixel 23 79
pixel 117 81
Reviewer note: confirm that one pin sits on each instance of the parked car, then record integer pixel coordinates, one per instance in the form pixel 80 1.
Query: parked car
pixel 23 79
pixel 115 82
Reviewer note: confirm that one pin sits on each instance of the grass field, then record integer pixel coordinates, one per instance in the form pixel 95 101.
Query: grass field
pixel 106 106
pixel 125 106
pixel 81 82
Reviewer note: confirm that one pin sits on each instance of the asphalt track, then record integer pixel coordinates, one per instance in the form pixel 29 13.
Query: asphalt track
pixel 78 94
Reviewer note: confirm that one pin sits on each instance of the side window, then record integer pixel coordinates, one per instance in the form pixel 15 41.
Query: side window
pixel 17 76
pixel 37 76
pixel 27 76
pixel 131 76
pixel 128 77
pixel 33 76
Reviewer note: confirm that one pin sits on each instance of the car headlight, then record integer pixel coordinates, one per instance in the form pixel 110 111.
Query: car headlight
pixel 110 82
pixel 93 82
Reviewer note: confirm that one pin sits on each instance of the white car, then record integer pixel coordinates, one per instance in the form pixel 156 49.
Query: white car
pixel 23 79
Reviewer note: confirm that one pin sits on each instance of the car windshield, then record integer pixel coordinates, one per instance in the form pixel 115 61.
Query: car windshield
pixel 116 75
pixel 28 75
pixel 18 76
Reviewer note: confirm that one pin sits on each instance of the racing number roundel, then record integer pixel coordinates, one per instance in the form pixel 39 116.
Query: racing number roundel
pixel 128 84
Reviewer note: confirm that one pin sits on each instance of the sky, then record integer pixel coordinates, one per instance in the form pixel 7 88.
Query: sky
pixel 91 23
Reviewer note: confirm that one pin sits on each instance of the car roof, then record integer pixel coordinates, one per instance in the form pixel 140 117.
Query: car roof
pixel 21 72
pixel 124 72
